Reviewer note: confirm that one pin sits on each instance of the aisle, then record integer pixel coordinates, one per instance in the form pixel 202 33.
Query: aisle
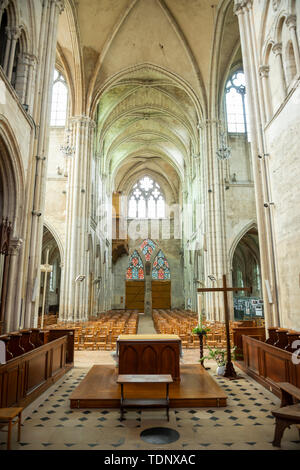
pixel 146 325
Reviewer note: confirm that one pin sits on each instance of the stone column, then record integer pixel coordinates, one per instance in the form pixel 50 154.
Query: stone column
pixel 38 174
pixel 277 50
pixel 243 9
pixel 291 22
pixel 148 290
pixel 212 181
pixel 14 34
pixel 76 256
pixel 12 314
pixel 28 98
pixel 264 75
pixel 22 77
pixel 7 48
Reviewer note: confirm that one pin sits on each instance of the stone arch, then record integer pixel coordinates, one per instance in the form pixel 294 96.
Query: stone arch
pixel 290 62
pixel 245 262
pixel 51 245
pixel 250 225
pixel 55 235
pixel 12 175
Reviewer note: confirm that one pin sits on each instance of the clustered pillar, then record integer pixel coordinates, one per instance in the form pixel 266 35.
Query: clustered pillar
pixel 74 299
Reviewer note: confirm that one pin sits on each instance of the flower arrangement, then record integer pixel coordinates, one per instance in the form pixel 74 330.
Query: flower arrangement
pixel 200 330
pixel 218 355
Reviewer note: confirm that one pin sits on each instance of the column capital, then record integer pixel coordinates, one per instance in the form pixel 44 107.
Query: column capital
pixel 208 122
pixel 291 21
pixel 264 71
pixel 239 6
pixel 15 245
pixel 60 5
pixel 23 59
pixel 84 121
pixel 277 48
pixel 31 58
pixel 13 32
pixel 275 4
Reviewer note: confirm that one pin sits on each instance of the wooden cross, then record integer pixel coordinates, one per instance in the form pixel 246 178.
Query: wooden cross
pixel 229 370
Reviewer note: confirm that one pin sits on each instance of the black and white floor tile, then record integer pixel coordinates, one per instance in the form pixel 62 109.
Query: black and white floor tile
pixel 246 423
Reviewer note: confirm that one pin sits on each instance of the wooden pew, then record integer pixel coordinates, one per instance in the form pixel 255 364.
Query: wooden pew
pixel 269 365
pixel 288 413
pixel 23 378
pixel 26 342
pixel 257 332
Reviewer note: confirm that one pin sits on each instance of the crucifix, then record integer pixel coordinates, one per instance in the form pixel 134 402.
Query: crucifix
pixel 45 268
pixel 229 370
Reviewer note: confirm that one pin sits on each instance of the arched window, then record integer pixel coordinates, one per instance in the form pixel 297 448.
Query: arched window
pixel 147 248
pixel 146 200
pixel 161 269
pixel 59 100
pixel 15 65
pixel 3 37
pixel 236 105
pixel 290 64
pixel 135 270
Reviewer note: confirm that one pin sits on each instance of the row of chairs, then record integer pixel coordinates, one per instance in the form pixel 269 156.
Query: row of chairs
pixel 49 320
pixel 182 322
pixel 101 333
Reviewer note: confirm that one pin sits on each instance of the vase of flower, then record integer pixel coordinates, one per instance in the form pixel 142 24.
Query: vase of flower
pixel 220 356
pixel 201 332
pixel 220 370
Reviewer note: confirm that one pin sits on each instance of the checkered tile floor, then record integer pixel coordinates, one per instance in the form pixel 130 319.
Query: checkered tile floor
pixel 246 423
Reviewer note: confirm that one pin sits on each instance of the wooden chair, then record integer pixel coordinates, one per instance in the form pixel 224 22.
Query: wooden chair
pixel 7 415
pixel 101 341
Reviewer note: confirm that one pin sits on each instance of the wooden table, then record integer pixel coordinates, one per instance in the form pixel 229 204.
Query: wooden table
pixel 144 403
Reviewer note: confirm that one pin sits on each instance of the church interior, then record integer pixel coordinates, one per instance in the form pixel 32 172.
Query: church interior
pixel 149 240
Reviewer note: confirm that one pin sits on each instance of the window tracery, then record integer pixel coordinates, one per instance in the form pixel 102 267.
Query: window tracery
pixel 236 104
pixel 135 270
pixel 146 200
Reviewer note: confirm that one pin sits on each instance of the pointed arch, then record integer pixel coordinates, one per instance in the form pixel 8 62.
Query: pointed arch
pixel 13 178
pixel 147 248
pixel 56 237
pixel 135 269
pixel 250 225
pixel 161 268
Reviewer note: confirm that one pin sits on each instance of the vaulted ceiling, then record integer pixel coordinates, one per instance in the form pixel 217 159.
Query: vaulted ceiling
pixel 143 70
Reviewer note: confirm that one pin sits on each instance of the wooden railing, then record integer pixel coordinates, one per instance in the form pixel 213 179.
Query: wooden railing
pixel 269 364
pixel 257 332
pixel 24 378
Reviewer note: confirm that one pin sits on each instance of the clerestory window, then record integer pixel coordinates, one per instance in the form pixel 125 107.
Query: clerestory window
pixel 146 200
pixel 59 100
pixel 236 103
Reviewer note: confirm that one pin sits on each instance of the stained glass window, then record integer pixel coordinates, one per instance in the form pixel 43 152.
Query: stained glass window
pixel 146 200
pixel 135 270
pixel 147 247
pixel 161 269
